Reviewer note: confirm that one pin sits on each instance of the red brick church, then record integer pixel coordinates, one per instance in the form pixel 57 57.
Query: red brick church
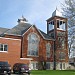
pixel 25 43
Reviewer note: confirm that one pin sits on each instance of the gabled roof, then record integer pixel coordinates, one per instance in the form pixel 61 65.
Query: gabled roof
pixel 46 36
pixel 20 29
pixel 3 30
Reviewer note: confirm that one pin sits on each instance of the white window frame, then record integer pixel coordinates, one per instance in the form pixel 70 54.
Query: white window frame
pixel 3 47
pixel 34 65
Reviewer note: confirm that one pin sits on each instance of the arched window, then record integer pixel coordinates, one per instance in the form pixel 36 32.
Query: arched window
pixel 48 46
pixel 61 42
pixel 33 44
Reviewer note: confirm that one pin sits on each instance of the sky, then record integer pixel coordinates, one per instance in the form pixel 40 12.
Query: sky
pixel 35 11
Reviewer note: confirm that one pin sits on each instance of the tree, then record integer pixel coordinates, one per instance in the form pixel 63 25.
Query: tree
pixel 69 11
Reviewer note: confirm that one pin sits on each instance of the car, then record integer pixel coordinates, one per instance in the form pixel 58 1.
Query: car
pixel 5 68
pixel 21 68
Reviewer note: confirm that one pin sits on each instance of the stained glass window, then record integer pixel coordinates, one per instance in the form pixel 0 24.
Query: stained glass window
pixel 33 44
pixel 48 46
pixel 61 42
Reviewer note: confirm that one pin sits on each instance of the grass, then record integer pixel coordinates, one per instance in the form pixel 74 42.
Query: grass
pixel 53 72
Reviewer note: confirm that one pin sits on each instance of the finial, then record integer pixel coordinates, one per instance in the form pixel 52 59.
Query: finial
pixel 56 8
pixel 22 20
pixel 56 12
pixel 22 16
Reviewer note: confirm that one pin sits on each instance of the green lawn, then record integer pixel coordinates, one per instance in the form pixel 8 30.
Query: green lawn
pixel 53 72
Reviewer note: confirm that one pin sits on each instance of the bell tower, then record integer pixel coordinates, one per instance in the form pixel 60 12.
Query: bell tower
pixel 57 29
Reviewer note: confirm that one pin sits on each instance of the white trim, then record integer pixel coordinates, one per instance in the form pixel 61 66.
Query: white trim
pixel 61 20
pixel 27 30
pixel 26 58
pixel 10 38
pixel 60 29
pixel 38 31
pixel 35 34
pixel 3 51
pixel 33 55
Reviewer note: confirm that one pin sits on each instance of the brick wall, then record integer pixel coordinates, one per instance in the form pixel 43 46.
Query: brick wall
pixel 42 46
pixel 19 43
pixel 13 53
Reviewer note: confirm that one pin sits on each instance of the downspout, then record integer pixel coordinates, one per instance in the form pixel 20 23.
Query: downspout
pixel 54 57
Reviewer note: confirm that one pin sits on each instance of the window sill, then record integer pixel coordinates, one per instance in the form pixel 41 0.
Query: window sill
pixel 32 56
pixel 3 51
pixel 48 57
pixel 61 59
pixel 26 58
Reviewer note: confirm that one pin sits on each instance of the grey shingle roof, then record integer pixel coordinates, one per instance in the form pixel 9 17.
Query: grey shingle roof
pixel 19 29
pixel 46 36
pixel 3 30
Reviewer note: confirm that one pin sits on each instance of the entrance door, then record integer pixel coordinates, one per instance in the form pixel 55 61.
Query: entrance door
pixel 34 65
pixel 48 65
pixel 60 66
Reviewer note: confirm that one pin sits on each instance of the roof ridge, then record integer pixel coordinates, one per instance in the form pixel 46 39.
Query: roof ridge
pixel 44 35
pixel 19 29
pixel 4 28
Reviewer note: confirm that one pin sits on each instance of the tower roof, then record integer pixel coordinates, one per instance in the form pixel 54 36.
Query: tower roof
pixel 57 13
pixel 22 20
